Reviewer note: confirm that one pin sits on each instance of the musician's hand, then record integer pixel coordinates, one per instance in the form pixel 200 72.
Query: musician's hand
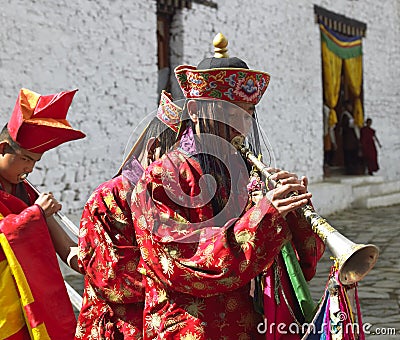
pixel 48 203
pixel 288 183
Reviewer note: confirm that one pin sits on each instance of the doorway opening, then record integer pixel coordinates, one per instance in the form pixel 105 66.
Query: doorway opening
pixel 342 77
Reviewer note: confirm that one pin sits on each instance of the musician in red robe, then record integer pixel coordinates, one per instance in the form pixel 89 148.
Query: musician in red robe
pixel 108 253
pixel 33 299
pixel 202 241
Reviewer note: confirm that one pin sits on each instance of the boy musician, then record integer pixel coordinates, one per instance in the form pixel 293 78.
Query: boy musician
pixel 33 299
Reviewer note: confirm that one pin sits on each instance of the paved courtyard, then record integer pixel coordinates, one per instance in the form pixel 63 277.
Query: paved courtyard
pixel 379 291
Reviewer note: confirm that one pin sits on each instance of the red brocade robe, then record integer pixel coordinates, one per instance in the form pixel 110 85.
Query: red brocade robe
pixel 198 287
pixel 31 282
pixel 108 256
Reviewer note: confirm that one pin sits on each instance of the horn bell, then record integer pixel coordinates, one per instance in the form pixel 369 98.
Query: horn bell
pixel 354 260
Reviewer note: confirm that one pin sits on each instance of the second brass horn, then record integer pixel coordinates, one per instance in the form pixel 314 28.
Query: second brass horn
pixel 354 260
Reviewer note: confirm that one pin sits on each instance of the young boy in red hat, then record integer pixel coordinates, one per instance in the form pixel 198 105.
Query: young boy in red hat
pixel 33 298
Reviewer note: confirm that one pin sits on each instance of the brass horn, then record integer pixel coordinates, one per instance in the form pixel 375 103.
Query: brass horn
pixel 354 260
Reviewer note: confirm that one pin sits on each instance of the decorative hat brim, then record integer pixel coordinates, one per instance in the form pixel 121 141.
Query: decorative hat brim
pixel 230 84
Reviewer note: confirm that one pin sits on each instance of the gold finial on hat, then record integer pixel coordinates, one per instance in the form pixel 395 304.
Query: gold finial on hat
pixel 220 42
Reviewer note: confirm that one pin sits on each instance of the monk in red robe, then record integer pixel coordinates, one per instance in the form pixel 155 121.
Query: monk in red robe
pixel 113 297
pixel 33 299
pixel 202 241
pixel 368 139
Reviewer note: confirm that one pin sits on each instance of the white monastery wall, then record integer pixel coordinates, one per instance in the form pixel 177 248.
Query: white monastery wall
pixel 108 50
pixel 281 37
pixel 104 48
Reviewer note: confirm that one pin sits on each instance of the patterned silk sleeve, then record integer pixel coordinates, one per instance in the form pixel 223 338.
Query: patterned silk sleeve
pixel 220 259
pixel 108 254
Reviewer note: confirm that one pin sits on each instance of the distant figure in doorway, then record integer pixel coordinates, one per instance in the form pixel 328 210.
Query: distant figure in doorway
pixel 370 154
pixel 351 140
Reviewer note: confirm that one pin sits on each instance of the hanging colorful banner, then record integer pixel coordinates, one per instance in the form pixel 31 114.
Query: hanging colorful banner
pixel 344 47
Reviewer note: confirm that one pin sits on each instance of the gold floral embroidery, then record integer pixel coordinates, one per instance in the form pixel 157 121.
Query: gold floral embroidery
pixel 162 295
pixel 174 252
pixel 167 175
pixel 94 333
pixel 142 223
pixel 246 321
pixel 109 201
pixel 82 230
pixel 229 281
pixel 166 265
pixel 140 187
pixel 231 304
pixel 153 322
pixel 157 170
pixel 80 331
pixel 145 253
pixel 114 295
pixel 245 239
pixel 190 336
pixel 131 266
pixel 198 285
pixel 196 307
pixel 243 265
pixel 255 216
pixel 123 194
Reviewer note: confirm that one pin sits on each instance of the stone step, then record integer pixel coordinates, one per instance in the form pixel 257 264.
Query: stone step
pixel 362 191
pixel 378 201
pixel 341 192
pixel 355 180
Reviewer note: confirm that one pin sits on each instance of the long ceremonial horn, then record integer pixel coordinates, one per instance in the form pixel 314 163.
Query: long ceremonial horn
pixel 354 260
pixel 64 219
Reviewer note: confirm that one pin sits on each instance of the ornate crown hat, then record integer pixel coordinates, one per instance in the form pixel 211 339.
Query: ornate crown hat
pixel 38 123
pixel 222 77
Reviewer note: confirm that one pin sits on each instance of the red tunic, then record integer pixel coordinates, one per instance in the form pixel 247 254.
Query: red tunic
pixel 108 256
pixel 29 264
pixel 199 287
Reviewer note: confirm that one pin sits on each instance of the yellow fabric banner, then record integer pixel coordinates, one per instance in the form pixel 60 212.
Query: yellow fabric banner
pixel 332 67
pixel 353 73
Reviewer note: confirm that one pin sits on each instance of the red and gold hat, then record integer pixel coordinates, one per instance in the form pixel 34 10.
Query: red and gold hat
pixel 222 78
pixel 38 123
pixel 168 112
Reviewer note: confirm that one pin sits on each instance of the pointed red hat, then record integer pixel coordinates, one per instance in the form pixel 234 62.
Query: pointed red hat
pixel 38 123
